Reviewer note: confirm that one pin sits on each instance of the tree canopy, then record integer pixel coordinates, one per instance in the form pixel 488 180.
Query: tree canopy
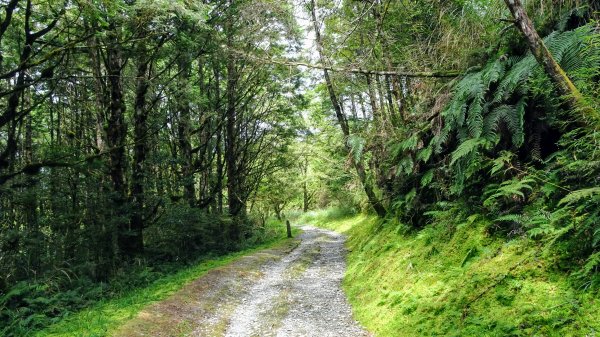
pixel 150 131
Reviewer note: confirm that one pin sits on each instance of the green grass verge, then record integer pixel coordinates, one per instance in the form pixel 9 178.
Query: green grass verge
pixel 457 280
pixel 107 315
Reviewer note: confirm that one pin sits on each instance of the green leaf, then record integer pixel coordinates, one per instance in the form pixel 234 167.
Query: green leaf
pixel 425 154
pixel 579 195
pixel 466 148
pixel 427 178
pixel 357 145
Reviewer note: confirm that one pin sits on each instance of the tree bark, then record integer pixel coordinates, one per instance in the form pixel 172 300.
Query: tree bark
pixel 116 132
pixel 358 165
pixel 139 153
pixel 231 138
pixel 219 141
pixel 377 120
pixel 382 105
pixel 564 85
pixel 184 130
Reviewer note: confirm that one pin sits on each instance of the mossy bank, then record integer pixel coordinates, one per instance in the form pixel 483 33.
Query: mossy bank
pixel 454 278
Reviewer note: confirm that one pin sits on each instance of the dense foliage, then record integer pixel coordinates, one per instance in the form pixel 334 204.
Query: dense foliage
pixel 139 135
pixel 132 138
pixel 498 140
pixel 499 143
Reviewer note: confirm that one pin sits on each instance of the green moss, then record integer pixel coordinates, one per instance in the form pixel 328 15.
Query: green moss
pixel 448 280
pixel 106 316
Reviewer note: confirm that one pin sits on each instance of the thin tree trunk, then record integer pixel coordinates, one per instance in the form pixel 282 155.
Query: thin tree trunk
pixel 363 108
pixel 219 141
pixel 353 107
pixel 373 101
pixel 381 96
pixel 31 204
pixel 360 169
pixel 139 154
pixel 233 189
pixel 393 82
pixel 184 131
pixel 390 101
pixel 305 196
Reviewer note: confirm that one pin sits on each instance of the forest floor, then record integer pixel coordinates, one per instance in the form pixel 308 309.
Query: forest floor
pixel 294 290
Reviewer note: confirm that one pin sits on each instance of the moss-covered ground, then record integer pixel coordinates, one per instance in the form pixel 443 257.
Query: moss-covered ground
pixel 456 279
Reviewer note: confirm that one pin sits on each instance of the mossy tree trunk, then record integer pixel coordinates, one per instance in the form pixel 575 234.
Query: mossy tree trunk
pixel 541 53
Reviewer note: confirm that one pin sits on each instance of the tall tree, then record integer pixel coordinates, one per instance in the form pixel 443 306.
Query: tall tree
pixel 341 118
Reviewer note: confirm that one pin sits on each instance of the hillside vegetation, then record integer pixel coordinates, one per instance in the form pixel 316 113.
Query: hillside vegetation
pixel 138 137
pixel 454 278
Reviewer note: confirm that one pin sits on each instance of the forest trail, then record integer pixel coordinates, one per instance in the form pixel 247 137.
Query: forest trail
pixel 288 291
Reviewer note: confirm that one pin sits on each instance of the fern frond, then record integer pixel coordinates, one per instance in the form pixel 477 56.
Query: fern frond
pixel 427 178
pixel 515 78
pixel 357 145
pixel 492 120
pixel 579 195
pixel 475 117
pixel 516 121
pixel 466 148
pixel 425 154
pixel 411 143
pixel 493 72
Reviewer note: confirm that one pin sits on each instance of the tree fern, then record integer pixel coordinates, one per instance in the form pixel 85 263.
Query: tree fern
pixel 509 189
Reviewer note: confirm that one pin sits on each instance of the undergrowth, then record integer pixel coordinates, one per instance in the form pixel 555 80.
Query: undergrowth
pixel 456 278
pixel 42 308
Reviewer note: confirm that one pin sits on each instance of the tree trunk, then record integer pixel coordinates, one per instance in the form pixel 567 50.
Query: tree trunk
pixel 373 101
pixel 219 141
pixel 378 8
pixel 390 101
pixel 233 185
pixel 31 203
pixel 139 154
pixel 381 96
pixel 184 130
pixel 541 53
pixel 358 165
pixel 305 197
pixel 116 132
pixel 353 107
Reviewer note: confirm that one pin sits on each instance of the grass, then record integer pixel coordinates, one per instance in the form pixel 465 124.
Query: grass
pixel 107 315
pixel 456 280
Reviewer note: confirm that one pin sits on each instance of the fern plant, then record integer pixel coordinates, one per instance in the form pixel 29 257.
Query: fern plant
pixel 491 105
pixel 511 189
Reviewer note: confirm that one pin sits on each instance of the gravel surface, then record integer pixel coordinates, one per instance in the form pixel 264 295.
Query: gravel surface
pixel 299 295
pixel 290 290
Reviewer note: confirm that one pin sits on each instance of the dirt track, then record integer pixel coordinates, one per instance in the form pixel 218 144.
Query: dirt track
pixel 289 291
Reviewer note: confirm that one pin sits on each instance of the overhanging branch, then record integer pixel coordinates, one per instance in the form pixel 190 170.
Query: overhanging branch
pixel 353 70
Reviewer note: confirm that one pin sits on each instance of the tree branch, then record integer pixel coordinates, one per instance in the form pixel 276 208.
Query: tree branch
pixel 397 72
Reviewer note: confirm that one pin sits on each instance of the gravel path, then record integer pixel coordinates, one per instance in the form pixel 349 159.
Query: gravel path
pixel 292 290
pixel 299 295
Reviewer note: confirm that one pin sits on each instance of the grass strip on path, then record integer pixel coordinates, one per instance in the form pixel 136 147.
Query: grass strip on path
pixel 107 315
